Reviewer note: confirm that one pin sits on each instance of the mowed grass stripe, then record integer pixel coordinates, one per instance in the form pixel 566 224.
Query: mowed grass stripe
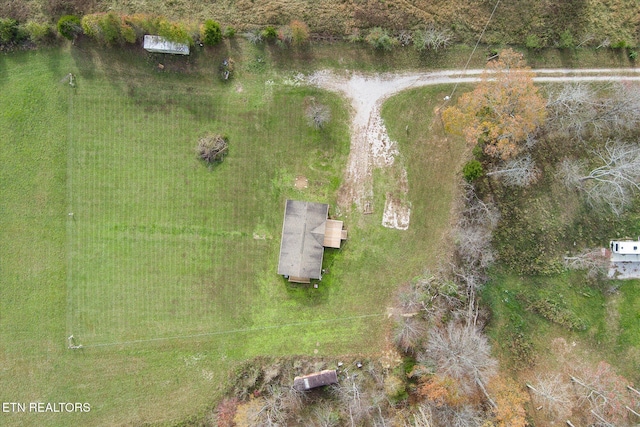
pixel 32 196
pixel 282 329
pixel 136 287
pixel 130 299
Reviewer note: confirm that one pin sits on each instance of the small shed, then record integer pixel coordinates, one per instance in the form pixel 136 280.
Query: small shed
pixel 625 247
pixel 317 379
pixel 158 44
pixel 624 259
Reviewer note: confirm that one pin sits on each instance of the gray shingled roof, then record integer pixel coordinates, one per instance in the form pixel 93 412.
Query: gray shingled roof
pixel 301 247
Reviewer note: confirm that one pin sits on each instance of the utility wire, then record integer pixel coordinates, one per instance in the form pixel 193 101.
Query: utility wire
pixel 475 47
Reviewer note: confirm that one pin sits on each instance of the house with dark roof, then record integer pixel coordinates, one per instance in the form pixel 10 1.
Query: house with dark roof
pixel 317 379
pixel 306 231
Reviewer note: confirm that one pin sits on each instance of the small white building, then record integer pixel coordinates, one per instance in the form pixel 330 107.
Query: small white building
pixel 159 44
pixel 625 247
pixel 625 259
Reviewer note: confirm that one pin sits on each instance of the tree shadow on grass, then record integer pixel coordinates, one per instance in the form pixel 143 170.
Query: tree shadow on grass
pixel 178 81
pixel 308 295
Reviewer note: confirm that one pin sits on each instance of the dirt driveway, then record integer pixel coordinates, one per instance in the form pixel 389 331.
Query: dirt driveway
pixel 371 146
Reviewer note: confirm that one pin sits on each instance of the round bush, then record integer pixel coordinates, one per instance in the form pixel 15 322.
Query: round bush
pixel 269 32
pixel 229 32
pixel 212 148
pixel 379 38
pixel 533 42
pixel 37 32
pixel 8 30
pixel 174 31
pixel 299 32
pixel 210 32
pixel 472 170
pixel 69 26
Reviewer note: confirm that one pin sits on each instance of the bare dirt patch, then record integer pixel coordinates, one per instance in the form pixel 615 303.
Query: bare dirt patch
pixel 397 213
pixel 301 182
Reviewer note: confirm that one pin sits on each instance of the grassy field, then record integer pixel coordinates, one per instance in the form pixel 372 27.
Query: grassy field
pixel 605 327
pixel 165 273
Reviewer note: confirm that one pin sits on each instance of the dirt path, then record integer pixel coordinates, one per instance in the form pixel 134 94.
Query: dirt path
pixel 371 146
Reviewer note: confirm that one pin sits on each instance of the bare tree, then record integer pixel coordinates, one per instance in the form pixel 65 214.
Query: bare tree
pixel 254 37
pixel 350 392
pixel 621 109
pixel 593 261
pixel 432 39
pixel 424 417
pixel 603 393
pixel 405 38
pixel 572 107
pixel 325 416
pixel 517 172
pixel 552 394
pixel 212 148
pixel 459 416
pixel 473 245
pixel 614 182
pixel 317 115
pixel 273 412
pixel 476 211
pixel 473 231
pixel 279 404
pixel 463 353
pixel 409 331
pixel 580 110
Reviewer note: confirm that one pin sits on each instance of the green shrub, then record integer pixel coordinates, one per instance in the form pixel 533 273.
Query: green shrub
pixel 472 170
pixel 633 55
pixel 229 32
pixel 143 24
pixel 379 38
pixel 174 31
pixel 355 36
pixel 299 32
pixel 8 30
pixel 108 28
pixel 518 343
pixel 285 36
pixel 552 308
pixel 111 28
pixel 269 33
pixel 620 44
pixel 394 389
pixel 210 32
pixel 128 33
pixel 533 42
pixel 69 26
pixel 90 25
pixel 37 32
pixel 566 40
pixel 478 151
